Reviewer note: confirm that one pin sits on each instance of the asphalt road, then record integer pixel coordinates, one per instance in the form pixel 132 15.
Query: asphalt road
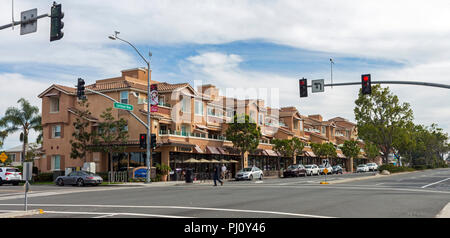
pixel 418 194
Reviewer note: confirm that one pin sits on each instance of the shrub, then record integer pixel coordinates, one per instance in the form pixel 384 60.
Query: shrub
pixel 44 177
pixel 395 169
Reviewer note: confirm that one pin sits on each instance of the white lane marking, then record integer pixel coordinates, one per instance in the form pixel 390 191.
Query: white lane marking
pixel 53 193
pixel 259 182
pixel 445 212
pixel 168 207
pixel 435 183
pixel 104 214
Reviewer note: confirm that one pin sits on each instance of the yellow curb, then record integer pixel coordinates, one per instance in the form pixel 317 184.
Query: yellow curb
pixel 324 183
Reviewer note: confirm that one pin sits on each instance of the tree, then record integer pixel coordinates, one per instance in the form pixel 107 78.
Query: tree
pixel 25 119
pixel 351 149
pixel 111 135
pixel 380 119
pixel 371 150
pixel 287 148
pixel 326 150
pixel 244 134
pixel 3 135
pixel 82 137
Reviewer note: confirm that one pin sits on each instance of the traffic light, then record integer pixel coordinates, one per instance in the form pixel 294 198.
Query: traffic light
pixel 153 141
pixel 80 89
pixel 303 84
pixel 55 23
pixel 366 84
pixel 143 141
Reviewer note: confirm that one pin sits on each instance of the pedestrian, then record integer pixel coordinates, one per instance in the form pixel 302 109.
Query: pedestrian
pixel 224 171
pixel 216 175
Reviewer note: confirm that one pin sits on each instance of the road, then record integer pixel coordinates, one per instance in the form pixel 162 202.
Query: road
pixel 421 194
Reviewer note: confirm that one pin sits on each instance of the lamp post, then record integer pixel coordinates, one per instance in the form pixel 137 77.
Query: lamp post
pixel 331 63
pixel 149 126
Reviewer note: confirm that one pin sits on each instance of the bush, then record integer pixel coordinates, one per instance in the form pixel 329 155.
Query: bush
pixel 394 169
pixel 44 177
pixel 104 175
pixel 420 167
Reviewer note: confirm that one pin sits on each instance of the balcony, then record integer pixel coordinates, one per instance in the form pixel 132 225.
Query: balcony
pixel 190 134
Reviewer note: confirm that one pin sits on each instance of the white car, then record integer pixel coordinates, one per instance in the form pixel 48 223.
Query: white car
pixel 362 168
pixel 312 169
pixel 328 167
pixel 249 173
pixel 10 175
pixel 372 166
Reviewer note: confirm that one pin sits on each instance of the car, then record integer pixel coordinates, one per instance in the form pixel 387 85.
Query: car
pixel 312 169
pixel 328 167
pixel 362 168
pixel 79 178
pixel 337 169
pixel 294 170
pixel 372 166
pixel 10 175
pixel 249 173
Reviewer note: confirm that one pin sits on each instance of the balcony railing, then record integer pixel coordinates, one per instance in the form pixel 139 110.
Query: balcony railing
pixel 191 134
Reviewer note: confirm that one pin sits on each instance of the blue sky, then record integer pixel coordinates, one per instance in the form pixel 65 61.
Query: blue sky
pixel 249 44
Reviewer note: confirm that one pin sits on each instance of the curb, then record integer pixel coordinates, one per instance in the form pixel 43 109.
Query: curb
pixel 445 212
pixel 22 214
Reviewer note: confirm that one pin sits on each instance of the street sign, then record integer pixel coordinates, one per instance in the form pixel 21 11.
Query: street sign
pixel 3 157
pixel 325 161
pixel 123 106
pixel 317 85
pixel 27 170
pixel 29 27
pixel 325 171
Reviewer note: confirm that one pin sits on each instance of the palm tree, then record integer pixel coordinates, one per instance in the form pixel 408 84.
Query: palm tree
pixel 25 119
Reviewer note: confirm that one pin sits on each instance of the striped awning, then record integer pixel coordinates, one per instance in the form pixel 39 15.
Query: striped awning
pixel 222 150
pixel 270 153
pixel 198 149
pixel 212 150
pixel 340 155
pixel 310 154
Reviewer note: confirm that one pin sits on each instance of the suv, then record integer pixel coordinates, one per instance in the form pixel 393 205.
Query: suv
pixel 312 169
pixel 372 166
pixel 10 175
pixel 295 170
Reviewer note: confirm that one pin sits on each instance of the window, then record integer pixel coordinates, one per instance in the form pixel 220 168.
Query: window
pixel 124 97
pixel 186 104
pixel 56 131
pixel 261 119
pixel 12 157
pixel 161 100
pixel 142 98
pixel 230 113
pixel 295 124
pixel 323 130
pixel 56 162
pixel 252 116
pixel 301 125
pixel 54 104
pixel 198 108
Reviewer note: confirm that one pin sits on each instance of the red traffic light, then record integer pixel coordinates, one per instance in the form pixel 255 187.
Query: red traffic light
pixel 365 78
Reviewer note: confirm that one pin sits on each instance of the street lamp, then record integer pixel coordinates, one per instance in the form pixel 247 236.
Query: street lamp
pixel 149 126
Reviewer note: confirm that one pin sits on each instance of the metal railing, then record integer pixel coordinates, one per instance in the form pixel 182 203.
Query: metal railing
pixel 118 176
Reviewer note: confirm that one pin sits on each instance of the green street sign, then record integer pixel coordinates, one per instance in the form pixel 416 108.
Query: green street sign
pixel 123 106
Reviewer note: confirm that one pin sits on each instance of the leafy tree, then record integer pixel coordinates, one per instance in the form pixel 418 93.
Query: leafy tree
pixel 287 147
pixel 380 119
pixel 3 135
pixel 25 119
pixel 371 150
pixel 244 134
pixel 81 137
pixel 111 135
pixel 326 150
pixel 350 149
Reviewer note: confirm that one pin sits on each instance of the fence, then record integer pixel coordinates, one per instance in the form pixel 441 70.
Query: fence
pixel 118 177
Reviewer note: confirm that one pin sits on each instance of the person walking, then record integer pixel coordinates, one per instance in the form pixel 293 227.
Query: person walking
pixel 217 175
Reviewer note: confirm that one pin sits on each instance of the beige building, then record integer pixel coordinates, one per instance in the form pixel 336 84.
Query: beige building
pixel 190 124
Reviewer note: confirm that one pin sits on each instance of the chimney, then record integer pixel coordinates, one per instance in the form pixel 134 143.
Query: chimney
pixel 209 90
pixel 317 117
pixel 137 73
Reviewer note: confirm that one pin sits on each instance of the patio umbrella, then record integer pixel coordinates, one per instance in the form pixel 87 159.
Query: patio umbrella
pixel 191 160
pixel 214 161
pixel 204 161
pixel 234 161
pixel 224 161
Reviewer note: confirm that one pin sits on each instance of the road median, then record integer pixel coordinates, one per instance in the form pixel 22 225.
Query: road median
pixel 21 213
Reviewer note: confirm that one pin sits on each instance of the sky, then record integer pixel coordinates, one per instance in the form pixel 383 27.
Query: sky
pixel 238 44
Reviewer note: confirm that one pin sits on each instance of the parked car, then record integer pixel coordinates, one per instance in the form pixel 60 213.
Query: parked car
pixel 249 173
pixel 10 175
pixel 79 178
pixel 372 166
pixel 322 168
pixel 337 169
pixel 312 169
pixel 294 170
pixel 362 168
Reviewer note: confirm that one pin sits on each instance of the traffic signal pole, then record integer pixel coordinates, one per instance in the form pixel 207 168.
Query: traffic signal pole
pixel 438 85
pixel 15 23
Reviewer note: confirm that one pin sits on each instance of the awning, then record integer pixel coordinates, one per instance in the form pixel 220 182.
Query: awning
pixel 204 161
pixel 270 153
pixel 310 154
pixel 214 161
pixel 212 150
pixel 222 150
pixel 224 161
pixel 341 156
pixel 198 149
pixel 201 127
pixel 234 161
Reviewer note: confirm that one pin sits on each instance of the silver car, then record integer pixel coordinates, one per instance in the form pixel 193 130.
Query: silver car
pixel 249 173
pixel 79 178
